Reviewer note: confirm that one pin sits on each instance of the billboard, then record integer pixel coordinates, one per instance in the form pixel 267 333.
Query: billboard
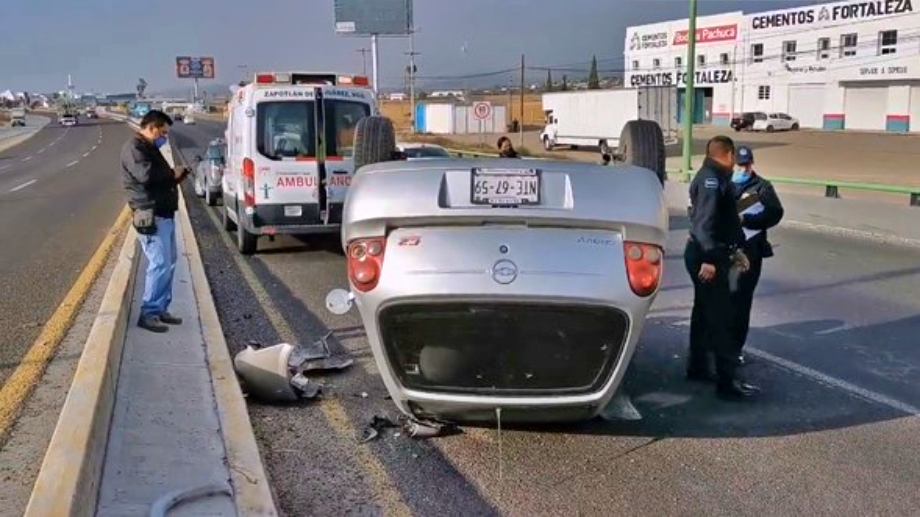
pixel 366 17
pixel 195 67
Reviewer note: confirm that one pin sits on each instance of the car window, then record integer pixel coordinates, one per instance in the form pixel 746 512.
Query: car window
pixel 760 116
pixel 426 152
pixel 341 119
pixel 286 129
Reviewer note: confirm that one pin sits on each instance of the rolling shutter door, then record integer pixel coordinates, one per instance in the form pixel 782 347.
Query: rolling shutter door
pixel 866 107
pixel 806 103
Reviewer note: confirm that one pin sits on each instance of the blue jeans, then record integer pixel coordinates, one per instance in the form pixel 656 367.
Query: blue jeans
pixel 160 249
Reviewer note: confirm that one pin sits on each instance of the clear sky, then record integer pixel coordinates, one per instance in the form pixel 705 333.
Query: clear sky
pixel 108 44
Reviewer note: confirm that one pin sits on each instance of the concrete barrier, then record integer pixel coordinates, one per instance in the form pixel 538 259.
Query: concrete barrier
pixel 68 482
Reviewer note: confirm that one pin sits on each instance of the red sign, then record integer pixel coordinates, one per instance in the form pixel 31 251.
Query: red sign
pixel 708 34
pixel 482 110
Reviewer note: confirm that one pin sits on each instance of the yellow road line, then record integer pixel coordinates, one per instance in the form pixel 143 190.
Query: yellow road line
pixel 20 384
pixel 333 410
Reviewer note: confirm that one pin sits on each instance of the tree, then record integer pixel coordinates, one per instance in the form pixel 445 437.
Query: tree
pixel 565 83
pixel 594 82
pixel 549 81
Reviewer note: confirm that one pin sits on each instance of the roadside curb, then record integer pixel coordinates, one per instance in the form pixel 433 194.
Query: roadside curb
pixel 69 478
pixel 251 491
pixel 10 141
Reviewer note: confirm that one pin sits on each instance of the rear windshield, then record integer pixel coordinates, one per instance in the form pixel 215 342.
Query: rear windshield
pixel 341 119
pixel 426 152
pixel 760 116
pixel 216 152
pixel 286 130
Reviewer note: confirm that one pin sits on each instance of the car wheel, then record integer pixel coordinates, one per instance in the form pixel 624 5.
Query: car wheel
pixel 209 198
pixel 229 225
pixel 642 145
pixel 547 145
pixel 246 242
pixel 375 141
pixel 795 127
pixel 769 129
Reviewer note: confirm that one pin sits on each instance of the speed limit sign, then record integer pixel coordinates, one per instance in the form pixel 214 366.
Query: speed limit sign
pixel 482 110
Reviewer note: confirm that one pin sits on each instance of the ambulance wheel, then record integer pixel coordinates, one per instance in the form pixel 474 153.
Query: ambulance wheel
pixel 246 242
pixel 642 145
pixel 375 141
pixel 229 225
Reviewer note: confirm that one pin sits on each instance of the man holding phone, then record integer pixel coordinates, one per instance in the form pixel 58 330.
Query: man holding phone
pixel 712 251
pixel 153 196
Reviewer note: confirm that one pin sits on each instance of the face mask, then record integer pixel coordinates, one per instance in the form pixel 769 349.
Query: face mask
pixel 741 176
pixel 160 142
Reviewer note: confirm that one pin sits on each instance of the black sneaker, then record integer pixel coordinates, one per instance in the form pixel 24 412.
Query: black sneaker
pixel 169 319
pixel 152 323
pixel 736 390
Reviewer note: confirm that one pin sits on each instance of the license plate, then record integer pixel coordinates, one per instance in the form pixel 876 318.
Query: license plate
pixel 293 211
pixel 505 187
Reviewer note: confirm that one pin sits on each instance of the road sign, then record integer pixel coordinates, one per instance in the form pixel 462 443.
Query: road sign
pixel 382 17
pixel 482 110
pixel 195 67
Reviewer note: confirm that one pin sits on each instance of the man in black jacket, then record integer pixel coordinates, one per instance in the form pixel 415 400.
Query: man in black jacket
pixel 152 185
pixel 751 187
pixel 712 250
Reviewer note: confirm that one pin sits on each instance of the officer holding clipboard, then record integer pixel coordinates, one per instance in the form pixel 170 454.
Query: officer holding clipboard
pixel 759 209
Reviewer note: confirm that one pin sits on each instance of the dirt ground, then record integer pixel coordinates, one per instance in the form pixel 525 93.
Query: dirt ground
pixel 885 158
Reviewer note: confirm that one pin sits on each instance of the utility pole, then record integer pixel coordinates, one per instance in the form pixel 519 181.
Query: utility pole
pixel 689 92
pixel 412 53
pixel 374 63
pixel 363 52
pixel 521 124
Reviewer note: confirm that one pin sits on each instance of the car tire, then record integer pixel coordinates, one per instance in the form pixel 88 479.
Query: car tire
pixel 246 242
pixel 229 225
pixel 642 145
pixel 375 141
pixel 547 145
pixel 795 127
pixel 209 198
pixel 770 129
pixel 602 145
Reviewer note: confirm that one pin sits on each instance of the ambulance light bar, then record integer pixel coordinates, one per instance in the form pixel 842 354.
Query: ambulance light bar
pixel 301 78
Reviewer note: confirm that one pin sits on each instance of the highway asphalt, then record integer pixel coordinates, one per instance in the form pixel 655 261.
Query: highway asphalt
pixel 834 346
pixel 60 191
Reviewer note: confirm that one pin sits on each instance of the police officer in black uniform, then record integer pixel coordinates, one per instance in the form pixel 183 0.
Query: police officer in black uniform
pixel 712 250
pixel 750 186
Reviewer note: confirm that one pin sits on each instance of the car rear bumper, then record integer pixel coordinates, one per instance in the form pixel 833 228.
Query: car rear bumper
pixel 551 343
pixel 271 219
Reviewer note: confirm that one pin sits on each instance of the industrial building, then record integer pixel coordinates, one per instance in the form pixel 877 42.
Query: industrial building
pixel 841 65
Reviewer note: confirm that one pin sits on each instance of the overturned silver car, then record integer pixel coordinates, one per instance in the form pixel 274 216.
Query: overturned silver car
pixel 501 283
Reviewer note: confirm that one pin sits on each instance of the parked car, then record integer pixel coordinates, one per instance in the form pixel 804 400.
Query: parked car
pixel 770 122
pixel 209 173
pixel 501 283
pixel 420 151
pixel 746 120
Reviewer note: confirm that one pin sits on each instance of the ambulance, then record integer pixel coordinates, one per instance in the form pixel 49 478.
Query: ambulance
pixel 289 153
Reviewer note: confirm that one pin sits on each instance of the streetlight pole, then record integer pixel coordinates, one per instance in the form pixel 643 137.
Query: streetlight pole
pixel 689 92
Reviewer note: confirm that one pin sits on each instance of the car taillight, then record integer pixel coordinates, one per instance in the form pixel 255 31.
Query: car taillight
pixel 249 182
pixel 365 262
pixel 643 267
pixel 265 79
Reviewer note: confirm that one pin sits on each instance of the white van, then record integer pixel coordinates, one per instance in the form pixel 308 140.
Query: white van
pixel 289 153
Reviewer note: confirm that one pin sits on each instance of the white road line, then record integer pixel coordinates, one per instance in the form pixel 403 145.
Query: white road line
pixel 94 148
pixel 852 233
pixel 71 164
pixel 43 149
pixel 853 389
pixel 5 167
pixel 24 185
pixel 85 154
pixel 27 158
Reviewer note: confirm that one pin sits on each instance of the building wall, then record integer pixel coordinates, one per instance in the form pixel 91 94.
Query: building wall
pixel 771 80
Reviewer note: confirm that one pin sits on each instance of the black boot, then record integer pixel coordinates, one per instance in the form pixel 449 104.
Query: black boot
pixel 736 390
pixel 152 323
pixel 170 319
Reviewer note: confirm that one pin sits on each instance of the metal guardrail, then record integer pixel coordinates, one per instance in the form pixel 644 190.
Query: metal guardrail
pixel 832 188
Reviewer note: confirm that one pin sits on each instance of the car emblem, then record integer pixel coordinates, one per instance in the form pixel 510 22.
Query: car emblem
pixel 504 272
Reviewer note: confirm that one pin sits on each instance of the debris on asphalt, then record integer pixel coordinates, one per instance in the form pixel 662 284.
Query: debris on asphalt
pixel 421 429
pixel 373 429
pixel 278 373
